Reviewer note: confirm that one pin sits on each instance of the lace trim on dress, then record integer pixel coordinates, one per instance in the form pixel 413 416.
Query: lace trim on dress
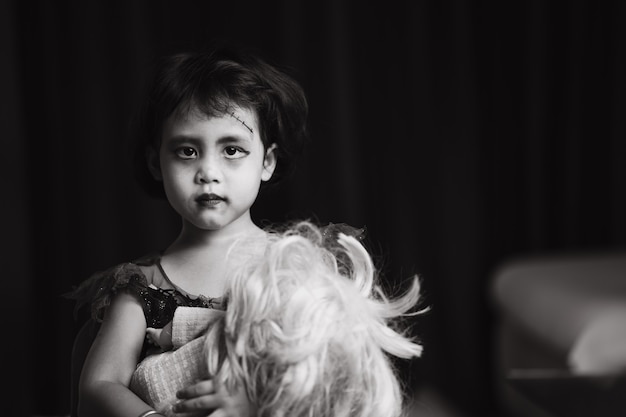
pixel 158 304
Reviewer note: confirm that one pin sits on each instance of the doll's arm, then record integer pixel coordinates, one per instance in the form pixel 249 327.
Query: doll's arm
pixel 188 324
pixel 191 322
pixel 202 396
pixel 177 382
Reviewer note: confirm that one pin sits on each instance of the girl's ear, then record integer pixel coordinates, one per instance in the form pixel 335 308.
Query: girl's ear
pixel 152 158
pixel 269 163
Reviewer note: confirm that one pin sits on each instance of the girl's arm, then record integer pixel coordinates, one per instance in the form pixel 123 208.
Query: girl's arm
pixel 108 368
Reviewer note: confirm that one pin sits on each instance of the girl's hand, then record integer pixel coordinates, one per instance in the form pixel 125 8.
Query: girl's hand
pixel 203 397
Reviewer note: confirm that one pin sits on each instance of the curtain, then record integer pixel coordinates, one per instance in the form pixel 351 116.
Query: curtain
pixel 459 133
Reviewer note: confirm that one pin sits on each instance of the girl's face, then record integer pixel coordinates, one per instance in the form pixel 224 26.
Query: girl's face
pixel 212 168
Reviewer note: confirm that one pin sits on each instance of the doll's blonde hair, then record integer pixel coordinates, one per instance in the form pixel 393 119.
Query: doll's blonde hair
pixel 307 332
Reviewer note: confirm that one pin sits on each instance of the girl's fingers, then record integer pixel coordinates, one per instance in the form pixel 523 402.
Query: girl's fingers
pixel 217 404
pixel 205 402
pixel 201 388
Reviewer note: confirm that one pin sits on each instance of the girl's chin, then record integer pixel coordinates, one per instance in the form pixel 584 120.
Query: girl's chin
pixel 209 226
pixel 214 222
pixel 214 225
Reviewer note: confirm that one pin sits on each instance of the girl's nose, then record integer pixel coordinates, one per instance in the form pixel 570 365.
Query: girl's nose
pixel 208 172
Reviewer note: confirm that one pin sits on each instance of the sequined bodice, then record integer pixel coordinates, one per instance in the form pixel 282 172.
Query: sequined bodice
pixel 146 279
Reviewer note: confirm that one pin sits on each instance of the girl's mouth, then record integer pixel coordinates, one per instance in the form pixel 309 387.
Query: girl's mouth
pixel 209 200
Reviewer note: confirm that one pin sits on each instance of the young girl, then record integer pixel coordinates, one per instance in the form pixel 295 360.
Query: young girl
pixel 215 127
pixel 307 332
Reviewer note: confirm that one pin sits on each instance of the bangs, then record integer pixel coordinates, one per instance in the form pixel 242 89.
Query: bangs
pixel 213 93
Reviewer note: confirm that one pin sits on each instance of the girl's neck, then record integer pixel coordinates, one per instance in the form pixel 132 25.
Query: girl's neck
pixel 197 261
pixel 201 241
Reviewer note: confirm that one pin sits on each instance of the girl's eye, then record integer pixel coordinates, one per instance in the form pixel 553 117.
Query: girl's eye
pixel 235 152
pixel 185 152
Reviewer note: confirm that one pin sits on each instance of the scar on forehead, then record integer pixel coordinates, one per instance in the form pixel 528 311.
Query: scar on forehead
pixel 232 114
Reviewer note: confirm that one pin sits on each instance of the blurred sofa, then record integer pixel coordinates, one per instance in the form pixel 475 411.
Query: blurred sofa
pixel 563 315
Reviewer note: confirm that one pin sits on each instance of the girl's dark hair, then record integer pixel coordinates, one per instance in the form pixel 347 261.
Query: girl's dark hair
pixel 212 82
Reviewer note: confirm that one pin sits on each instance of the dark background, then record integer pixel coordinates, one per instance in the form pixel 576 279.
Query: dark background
pixel 459 133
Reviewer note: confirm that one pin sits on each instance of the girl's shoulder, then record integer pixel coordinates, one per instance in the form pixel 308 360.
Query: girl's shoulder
pixel 100 287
